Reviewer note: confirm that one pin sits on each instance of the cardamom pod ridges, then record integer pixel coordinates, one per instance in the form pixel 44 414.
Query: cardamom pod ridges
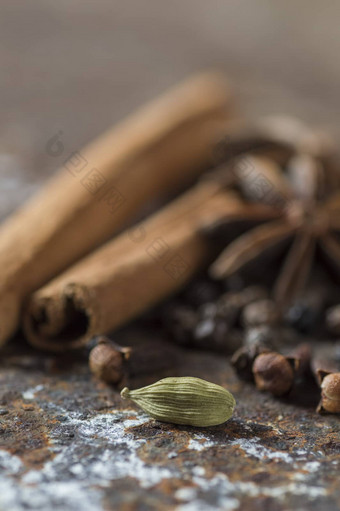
pixel 184 400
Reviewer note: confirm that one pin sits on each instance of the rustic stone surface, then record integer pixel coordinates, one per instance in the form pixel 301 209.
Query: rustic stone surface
pixel 70 442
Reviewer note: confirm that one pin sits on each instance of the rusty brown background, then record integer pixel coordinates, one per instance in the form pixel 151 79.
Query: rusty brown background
pixel 74 67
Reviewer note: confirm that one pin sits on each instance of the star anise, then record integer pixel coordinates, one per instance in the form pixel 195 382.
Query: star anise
pixel 303 194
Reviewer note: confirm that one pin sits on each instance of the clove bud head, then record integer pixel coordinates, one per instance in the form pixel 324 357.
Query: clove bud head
pixel 107 361
pixel 273 373
pixel 330 393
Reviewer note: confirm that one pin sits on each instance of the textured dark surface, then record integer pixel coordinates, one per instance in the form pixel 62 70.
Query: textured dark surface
pixel 67 441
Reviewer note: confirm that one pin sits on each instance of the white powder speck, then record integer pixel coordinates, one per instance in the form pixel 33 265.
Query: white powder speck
pixel 252 448
pixel 199 442
pixel 30 393
pixel 187 493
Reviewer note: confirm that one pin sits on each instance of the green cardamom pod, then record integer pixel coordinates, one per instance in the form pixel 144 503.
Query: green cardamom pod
pixel 184 400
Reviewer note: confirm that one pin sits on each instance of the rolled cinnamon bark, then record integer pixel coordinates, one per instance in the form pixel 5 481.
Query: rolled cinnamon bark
pixel 100 188
pixel 132 272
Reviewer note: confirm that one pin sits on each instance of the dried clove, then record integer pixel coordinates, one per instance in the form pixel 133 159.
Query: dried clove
pixel 322 366
pixel 330 394
pixel 107 360
pixel 274 373
pixel 328 377
pixel 243 360
pixel 258 340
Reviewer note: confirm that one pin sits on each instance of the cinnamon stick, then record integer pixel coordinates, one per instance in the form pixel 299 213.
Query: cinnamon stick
pixel 100 188
pixel 128 275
